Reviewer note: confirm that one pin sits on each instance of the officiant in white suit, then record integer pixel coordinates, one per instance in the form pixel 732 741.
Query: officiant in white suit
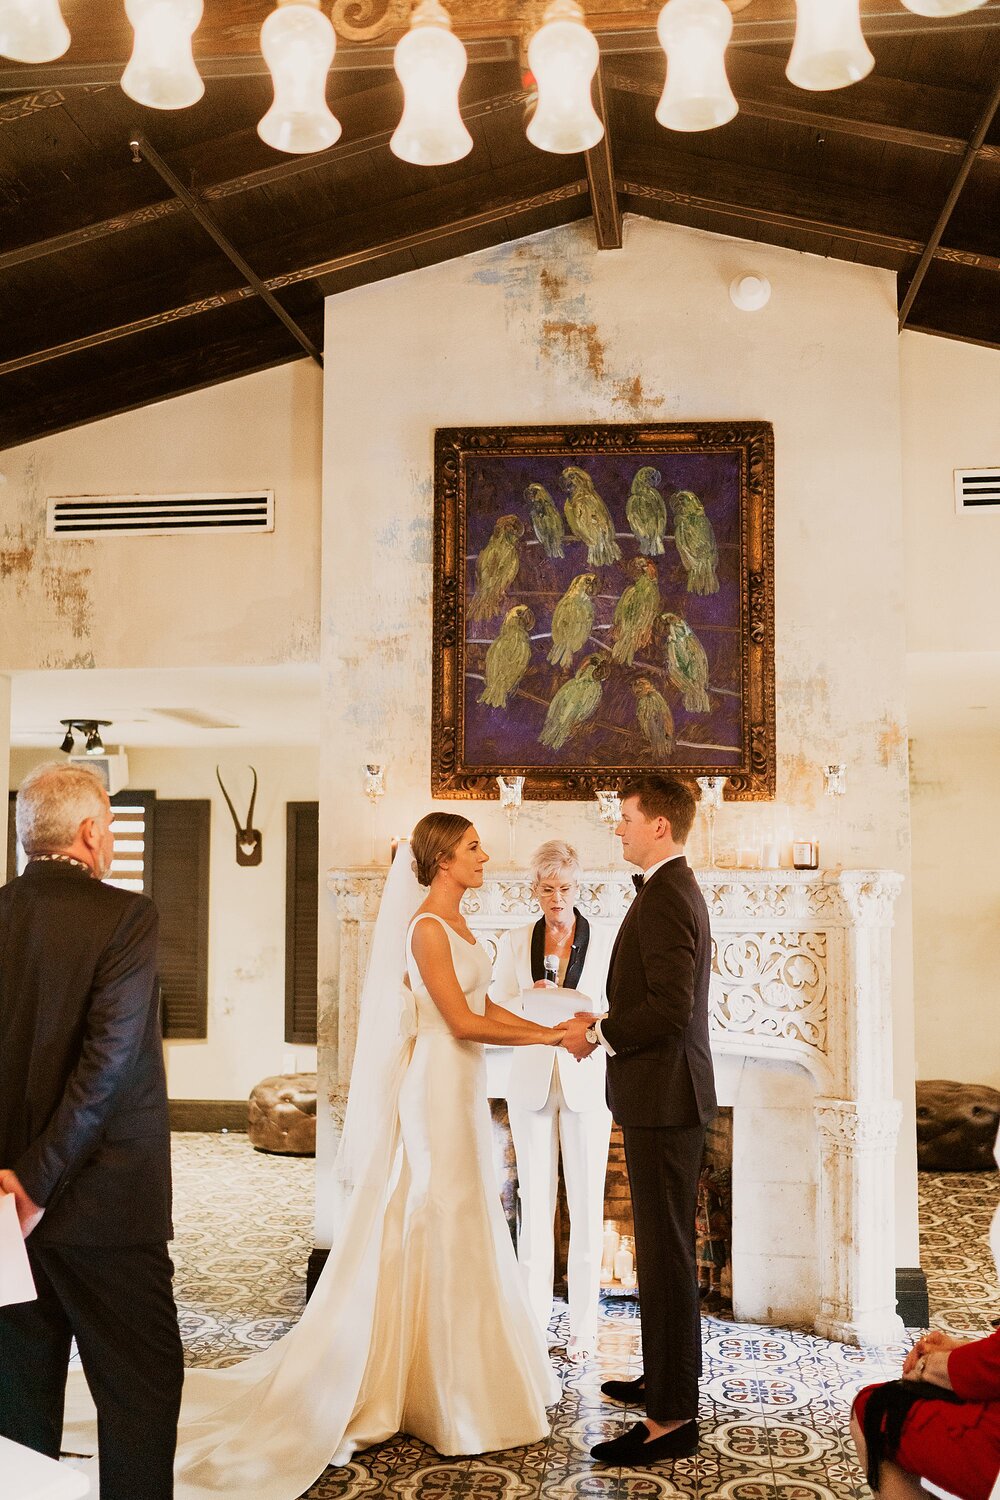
pixel 554 1101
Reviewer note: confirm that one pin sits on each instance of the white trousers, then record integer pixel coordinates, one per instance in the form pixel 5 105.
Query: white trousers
pixel 583 1136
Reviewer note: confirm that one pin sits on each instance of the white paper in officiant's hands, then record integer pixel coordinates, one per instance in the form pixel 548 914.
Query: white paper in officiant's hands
pixel 553 1007
pixel 16 1281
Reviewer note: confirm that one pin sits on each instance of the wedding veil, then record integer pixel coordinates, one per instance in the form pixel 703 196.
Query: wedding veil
pixel 386 1027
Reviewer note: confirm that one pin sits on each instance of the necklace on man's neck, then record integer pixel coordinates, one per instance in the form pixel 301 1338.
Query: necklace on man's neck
pixel 60 859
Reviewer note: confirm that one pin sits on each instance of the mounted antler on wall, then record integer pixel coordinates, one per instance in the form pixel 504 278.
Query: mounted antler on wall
pixel 249 844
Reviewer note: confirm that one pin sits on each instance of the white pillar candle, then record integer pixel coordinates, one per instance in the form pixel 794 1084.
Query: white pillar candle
pixel 624 1263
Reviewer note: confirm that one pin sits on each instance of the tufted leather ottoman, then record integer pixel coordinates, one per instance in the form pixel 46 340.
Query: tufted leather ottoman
pixel 282 1114
pixel 956 1126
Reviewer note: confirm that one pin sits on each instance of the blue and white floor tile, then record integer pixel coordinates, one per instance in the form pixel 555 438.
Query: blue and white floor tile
pixel 775 1401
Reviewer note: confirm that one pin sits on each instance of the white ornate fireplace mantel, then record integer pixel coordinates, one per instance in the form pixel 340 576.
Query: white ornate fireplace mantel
pixel 801 975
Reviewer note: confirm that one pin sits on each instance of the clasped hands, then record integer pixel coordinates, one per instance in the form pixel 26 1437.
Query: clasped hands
pixel 928 1359
pixel 573 1031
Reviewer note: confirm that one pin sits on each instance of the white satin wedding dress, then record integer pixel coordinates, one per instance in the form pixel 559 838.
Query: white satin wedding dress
pixel 419 1322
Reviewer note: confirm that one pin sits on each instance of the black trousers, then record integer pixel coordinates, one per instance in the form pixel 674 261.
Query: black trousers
pixel 118 1302
pixel 664 1163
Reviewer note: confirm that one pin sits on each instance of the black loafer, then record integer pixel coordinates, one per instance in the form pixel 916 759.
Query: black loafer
pixel 631 1451
pixel 628 1392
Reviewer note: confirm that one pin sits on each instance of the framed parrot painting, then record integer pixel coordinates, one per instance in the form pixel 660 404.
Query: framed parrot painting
pixel 603 606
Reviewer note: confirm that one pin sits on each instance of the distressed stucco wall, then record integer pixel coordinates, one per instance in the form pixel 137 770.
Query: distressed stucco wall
pixel 170 601
pixel 246 940
pixel 547 329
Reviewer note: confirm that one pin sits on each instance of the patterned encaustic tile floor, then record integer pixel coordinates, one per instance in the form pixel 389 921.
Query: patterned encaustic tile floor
pixel 775 1401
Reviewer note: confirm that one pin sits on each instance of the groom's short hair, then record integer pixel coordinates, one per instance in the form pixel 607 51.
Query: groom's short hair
pixel 665 797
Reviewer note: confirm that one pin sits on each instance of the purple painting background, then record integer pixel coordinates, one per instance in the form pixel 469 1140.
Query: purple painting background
pixel 508 737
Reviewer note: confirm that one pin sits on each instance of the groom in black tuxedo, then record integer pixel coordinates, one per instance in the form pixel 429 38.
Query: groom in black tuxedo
pixel 661 1089
pixel 85 1144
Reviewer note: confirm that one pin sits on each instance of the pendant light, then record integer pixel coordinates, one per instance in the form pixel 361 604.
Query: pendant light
pixel 32 31
pixel 430 63
pixel 563 57
pixel 829 50
pixel 694 35
pixel 298 42
pixel 161 71
pixel 942 7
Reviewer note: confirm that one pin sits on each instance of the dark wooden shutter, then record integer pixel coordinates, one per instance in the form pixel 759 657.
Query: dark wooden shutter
pixel 301 921
pixel 135 820
pixel 180 890
pixel 11 836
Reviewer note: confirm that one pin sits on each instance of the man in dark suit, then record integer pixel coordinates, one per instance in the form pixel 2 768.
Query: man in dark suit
pixel 661 1089
pixel 84 1143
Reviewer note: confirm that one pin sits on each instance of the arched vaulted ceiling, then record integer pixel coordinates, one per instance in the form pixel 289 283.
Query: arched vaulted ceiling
pixel 129 274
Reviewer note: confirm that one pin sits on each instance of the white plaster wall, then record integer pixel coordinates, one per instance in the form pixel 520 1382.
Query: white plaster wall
pixel 955 792
pixel 550 329
pixel 170 601
pixel 246 951
pixel 951 420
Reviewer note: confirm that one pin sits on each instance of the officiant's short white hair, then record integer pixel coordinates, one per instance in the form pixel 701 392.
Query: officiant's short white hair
pixel 555 857
pixel 52 801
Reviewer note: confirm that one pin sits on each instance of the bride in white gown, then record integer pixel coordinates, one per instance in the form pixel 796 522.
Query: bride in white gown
pixel 419 1321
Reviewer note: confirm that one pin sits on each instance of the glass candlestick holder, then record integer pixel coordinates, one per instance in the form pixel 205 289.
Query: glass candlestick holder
pixel 609 810
pixel 712 790
pixel 374 789
pixel 510 800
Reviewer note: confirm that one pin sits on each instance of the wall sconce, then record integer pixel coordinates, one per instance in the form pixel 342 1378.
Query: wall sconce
pixel 750 293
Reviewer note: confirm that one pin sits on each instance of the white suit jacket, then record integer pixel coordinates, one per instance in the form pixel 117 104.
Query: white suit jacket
pixel 582 1083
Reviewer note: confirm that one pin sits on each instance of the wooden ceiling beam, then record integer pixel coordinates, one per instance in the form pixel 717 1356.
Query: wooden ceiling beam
pixel 227 41
pixel 510 208
pixel 601 177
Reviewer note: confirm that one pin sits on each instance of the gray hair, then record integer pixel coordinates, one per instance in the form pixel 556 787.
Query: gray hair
pixel 52 801
pixel 552 858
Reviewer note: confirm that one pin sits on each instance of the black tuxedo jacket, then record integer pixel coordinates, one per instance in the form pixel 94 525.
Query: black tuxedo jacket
pixel 657 1021
pixel 83 1099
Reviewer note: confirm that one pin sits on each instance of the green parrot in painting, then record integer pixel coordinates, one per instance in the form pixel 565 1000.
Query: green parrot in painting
pixel 508 657
pixel 573 619
pixel 588 518
pixel 652 712
pixel 574 703
pixel 695 540
pixel 636 612
pixel 646 511
pixel 546 520
pixel 687 664
pixel 496 568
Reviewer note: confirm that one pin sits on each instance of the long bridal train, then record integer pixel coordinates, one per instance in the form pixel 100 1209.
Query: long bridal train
pixel 419 1321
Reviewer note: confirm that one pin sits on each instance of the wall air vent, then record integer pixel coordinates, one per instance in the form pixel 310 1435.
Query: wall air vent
pixel 82 517
pixel 976 491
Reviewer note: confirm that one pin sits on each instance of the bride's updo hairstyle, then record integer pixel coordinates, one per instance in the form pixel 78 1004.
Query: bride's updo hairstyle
pixel 435 838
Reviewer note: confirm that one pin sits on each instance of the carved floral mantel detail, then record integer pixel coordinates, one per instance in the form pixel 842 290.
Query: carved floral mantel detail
pixel 801 973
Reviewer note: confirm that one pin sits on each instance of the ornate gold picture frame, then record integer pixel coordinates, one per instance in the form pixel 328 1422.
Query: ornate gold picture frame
pixel 603 606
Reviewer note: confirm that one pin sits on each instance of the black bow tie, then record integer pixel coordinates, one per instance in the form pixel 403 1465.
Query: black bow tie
pixel 637 881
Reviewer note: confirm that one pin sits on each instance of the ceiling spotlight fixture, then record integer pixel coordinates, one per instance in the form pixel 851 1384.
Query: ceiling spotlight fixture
pixel 161 71
pixel 298 42
pixel 750 292
pixel 32 31
pixel 694 35
pixel 430 63
pixel 563 56
pixel 90 729
pixel 829 50
pixel 942 7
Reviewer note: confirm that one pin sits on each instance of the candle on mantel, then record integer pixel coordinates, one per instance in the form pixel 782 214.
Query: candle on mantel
pixel 624 1259
pixel 609 1250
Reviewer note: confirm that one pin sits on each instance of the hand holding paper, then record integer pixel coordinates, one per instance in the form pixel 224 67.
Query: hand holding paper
pixel 16 1283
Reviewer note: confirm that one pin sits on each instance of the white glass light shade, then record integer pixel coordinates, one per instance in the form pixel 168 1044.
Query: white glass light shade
pixel 298 43
pixel 32 31
pixel 750 293
pixel 829 50
pixel 942 7
pixel 563 56
pixel 430 64
pixel 161 70
pixel 694 35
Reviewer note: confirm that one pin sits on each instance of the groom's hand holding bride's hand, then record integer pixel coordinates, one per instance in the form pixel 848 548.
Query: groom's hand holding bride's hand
pixel 575 1041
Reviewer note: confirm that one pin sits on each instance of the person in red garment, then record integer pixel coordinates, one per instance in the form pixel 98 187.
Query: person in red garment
pixel 953 1443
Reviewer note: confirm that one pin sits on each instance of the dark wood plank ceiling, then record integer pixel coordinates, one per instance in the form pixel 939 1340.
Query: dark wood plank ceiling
pixel 116 290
